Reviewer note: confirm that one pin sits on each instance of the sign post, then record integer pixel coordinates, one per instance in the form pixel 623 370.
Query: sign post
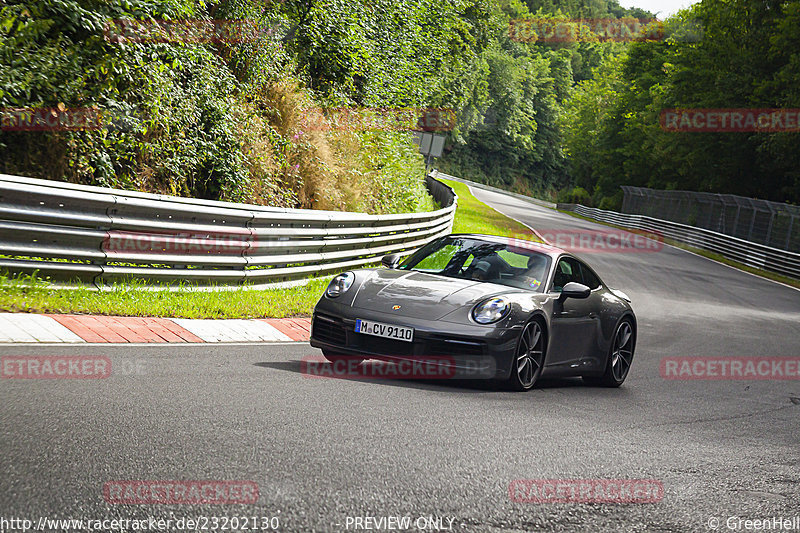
pixel 430 145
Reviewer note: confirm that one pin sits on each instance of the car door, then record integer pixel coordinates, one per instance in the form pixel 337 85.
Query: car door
pixel 574 320
pixel 594 356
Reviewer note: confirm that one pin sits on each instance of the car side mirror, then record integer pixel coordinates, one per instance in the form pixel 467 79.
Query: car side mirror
pixel 391 260
pixel 575 290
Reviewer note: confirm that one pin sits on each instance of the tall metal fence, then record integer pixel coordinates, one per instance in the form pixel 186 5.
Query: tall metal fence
pixel 98 235
pixel 748 253
pixel 772 224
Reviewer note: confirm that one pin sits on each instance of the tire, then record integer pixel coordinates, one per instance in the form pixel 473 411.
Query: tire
pixel 620 357
pixel 528 357
pixel 334 357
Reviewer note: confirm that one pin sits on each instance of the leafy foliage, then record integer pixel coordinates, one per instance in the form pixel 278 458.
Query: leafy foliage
pixel 520 88
pixel 228 120
pixel 213 120
pixel 747 58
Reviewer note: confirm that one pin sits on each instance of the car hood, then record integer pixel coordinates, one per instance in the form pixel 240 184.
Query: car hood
pixel 419 295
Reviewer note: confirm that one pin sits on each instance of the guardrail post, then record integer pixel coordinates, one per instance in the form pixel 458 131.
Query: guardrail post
pixel 752 223
pixel 769 227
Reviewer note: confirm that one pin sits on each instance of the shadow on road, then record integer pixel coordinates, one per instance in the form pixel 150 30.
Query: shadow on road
pixel 444 385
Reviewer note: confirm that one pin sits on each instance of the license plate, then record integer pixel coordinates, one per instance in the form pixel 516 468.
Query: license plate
pixel 388 331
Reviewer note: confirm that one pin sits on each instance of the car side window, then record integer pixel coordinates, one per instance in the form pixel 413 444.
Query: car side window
pixel 567 270
pixel 589 278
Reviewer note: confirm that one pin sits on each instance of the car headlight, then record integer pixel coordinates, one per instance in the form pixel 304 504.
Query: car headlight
pixel 340 284
pixel 490 310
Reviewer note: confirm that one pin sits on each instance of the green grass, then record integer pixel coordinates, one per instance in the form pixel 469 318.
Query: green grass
pixel 705 253
pixel 29 294
pixel 32 295
pixel 473 216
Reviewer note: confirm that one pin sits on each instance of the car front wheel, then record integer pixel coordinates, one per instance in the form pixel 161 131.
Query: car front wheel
pixel 529 357
pixel 620 357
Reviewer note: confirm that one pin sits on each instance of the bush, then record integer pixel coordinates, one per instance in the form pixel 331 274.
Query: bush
pixel 611 203
pixel 207 120
pixel 576 195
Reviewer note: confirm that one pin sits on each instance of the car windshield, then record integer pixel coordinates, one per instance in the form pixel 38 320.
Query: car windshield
pixel 480 260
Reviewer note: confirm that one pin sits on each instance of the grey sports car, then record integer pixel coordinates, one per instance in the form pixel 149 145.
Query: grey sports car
pixel 530 309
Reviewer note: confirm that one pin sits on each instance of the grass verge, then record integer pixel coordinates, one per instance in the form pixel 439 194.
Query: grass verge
pixel 473 216
pixel 29 294
pixel 32 295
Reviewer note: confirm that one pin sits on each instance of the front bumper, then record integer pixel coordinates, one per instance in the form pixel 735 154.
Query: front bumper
pixel 333 329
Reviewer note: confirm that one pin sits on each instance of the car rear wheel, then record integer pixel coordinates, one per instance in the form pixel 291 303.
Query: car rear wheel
pixel 620 357
pixel 334 357
pixel 529 357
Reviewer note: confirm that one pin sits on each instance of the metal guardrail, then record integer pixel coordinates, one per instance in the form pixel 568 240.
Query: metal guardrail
pixel 743 251
pixel 98 235
pixel 740 250
pixel 501 191
pixel 764 222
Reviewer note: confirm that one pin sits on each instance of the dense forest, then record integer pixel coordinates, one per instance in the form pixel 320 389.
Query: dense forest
pixel 229 118
pixel 747 56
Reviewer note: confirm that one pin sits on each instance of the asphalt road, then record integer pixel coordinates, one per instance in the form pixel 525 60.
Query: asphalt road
pixel 323 450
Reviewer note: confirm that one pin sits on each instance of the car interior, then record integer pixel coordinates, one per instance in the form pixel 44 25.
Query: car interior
pixel 568 270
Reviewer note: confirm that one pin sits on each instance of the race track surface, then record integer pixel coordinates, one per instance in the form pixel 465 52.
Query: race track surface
pixel 323 450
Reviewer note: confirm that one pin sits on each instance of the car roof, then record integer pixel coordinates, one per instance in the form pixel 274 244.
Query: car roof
pixel 517 242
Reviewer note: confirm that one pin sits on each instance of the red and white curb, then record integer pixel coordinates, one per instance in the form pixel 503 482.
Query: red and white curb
pixel 76 329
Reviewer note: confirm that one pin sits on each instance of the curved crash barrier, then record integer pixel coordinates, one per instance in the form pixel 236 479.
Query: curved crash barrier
pixel 102 236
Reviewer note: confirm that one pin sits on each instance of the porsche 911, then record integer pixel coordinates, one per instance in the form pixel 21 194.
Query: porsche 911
pixel 530 309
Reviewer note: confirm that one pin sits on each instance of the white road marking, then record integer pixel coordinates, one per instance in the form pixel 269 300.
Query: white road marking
pixel 27 328
pixel 509 216
pixel 233 330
